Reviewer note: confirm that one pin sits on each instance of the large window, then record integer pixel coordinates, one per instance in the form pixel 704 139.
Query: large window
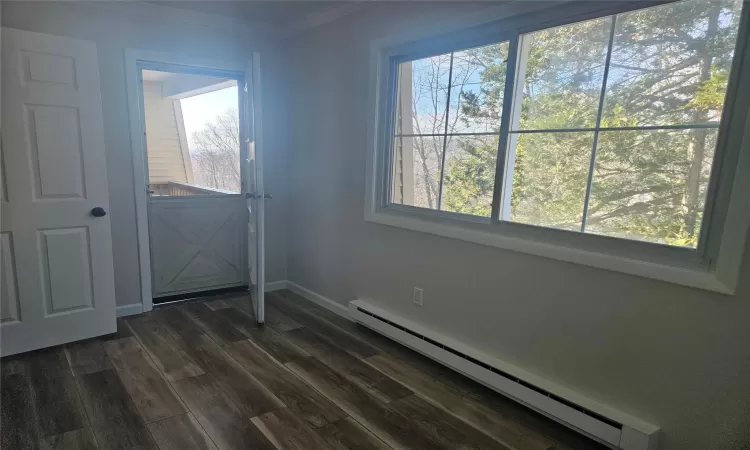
pixel 606 126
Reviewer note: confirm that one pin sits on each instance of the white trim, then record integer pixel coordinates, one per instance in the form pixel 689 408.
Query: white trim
pixel 636 434
pixel 318 299
pixel 276 285
pixel 737 221
pixel 140 178
pixel 138 147
pixel 254 119
pixel 129 310
pixel 718 273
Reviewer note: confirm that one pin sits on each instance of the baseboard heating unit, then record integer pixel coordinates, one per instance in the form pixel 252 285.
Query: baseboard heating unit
pixel 601 422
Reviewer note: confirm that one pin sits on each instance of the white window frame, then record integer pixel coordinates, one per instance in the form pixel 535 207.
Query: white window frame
pixel 713 266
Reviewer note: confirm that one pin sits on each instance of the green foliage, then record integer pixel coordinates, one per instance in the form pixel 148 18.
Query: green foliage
pixel 469 179
pixel 670 65
pixel 711 93
pixel 550 185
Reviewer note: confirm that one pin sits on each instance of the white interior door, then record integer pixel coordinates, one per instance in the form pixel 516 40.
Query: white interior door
pixel 56 275
pixel 255 196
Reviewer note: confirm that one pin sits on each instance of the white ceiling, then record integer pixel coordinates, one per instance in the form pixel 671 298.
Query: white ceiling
pixel 283 15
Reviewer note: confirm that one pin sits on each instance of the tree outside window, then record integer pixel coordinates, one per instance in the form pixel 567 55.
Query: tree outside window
pixel 613 128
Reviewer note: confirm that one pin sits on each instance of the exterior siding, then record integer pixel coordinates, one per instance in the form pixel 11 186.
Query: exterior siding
pixel 166 159
pixel 403 176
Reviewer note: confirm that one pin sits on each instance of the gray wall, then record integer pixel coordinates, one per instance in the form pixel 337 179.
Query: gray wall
pixel 154 30
pixel 671 355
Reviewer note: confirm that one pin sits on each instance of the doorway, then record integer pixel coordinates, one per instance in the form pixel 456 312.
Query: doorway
pixel 196 211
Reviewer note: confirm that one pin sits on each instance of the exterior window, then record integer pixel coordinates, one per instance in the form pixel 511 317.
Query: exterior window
pixel 447 126
pixel 610 126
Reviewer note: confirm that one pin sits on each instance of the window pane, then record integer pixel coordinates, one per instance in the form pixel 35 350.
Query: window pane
pixel 670 64
pixel 423 92
pixel 478 83
pixel 651 185
pixel 549 178
pixel 416 170
pixel 469 174
pixel 563 75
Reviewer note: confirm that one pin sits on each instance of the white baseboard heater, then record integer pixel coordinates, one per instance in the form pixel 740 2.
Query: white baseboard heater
pixel 601 422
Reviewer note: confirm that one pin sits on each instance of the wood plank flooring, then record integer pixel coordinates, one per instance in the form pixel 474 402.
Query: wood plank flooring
pixel 204 375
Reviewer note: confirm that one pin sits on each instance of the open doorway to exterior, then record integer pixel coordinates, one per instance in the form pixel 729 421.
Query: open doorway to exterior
pixel 192 134
pixel 197 216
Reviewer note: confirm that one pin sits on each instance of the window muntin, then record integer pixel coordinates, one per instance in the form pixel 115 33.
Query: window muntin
pixel 448 117
pixel 613 128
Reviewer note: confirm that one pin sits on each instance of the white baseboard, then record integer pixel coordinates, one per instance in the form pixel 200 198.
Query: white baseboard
pixel 129 310
pixel 276 285
pixel 319 300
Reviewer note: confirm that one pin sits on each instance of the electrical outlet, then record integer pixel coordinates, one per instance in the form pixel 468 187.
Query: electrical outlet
pixel 417 298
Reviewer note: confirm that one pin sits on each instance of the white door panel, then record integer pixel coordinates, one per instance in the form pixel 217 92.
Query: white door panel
pixel 255 186
pixel 66 269
pixel 58 281
pixel 56 153
pixel 197 243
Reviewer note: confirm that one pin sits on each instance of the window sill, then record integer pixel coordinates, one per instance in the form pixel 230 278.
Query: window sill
pixel 685 272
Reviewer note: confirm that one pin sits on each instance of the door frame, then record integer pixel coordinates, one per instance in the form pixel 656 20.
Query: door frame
pixel 134 58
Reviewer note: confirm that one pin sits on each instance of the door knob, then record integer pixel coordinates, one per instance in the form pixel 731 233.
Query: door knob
pixel 98 212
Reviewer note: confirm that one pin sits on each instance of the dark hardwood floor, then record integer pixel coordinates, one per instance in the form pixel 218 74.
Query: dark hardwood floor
pixel 203 375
